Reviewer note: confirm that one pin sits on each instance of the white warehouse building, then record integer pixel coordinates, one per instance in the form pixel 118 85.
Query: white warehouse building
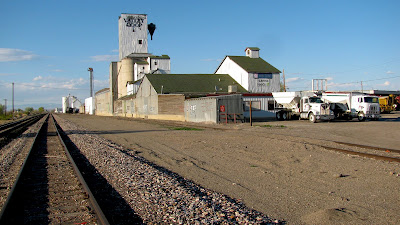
pixel 252 72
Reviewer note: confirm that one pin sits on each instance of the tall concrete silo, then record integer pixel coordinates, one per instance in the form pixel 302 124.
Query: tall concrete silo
pixel 125 74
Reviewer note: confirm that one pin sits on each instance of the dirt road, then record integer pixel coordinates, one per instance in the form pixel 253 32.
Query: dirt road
pixel 276 167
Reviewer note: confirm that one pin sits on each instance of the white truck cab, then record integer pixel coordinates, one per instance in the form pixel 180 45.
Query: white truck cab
pixel 303 105
pixel 364 106
pixel 356 105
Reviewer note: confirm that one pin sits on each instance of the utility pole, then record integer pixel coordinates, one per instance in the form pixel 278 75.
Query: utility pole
pixel 13 99
pixel 91 81
pixel 5 107
pixel 284 82
pixel 362 89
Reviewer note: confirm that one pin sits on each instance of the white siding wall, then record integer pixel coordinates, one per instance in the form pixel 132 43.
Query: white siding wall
pixel 263 85
pixel 89 106
pixel 132 88
pixel 129 36
pixel 162 64
pixel 235 71
pixel 141 70
pixel 146 99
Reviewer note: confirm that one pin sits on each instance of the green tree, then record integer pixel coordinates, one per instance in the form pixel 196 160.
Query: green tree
pixel 41 109
pixel 28 110
pixel 1 109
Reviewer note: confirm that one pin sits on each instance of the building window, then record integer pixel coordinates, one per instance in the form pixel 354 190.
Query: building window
pixel 140 42
pixel 271 104
pixel 255 106
pixel 155 63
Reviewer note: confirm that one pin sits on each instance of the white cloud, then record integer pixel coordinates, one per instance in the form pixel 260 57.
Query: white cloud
pixel 37 78
pixel 387 83
pixel 292 79
pixel 341 86
pixel 115 50
pixel 13 55
pixel 102 58
pixel 389 72
pixel 329 78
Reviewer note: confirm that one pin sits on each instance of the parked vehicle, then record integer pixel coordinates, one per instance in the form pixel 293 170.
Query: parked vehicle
pixel 387 103
pixel 302 105
pixel 354 105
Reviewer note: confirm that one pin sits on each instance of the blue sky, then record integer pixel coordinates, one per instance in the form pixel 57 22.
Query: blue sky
pixel 46 47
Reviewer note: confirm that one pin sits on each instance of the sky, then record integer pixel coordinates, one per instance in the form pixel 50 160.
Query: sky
pixel 46 47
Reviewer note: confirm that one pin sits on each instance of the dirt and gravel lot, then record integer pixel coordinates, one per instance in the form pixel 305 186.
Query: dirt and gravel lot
pixel 276 167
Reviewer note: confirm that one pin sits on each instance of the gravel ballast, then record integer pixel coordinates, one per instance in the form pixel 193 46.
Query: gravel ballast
pixel 156 194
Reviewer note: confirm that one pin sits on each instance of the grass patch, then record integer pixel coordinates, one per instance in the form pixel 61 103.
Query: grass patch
pixel 272 126
pixel 253 166
pixel 184 128
pixel 3 117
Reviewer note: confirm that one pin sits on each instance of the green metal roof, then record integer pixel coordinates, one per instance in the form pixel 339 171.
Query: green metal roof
pixel 254 65
pixel 160 57
pixel 192 83
pixel 253 48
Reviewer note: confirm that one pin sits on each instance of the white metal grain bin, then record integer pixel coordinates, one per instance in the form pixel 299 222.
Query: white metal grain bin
pixel 65 103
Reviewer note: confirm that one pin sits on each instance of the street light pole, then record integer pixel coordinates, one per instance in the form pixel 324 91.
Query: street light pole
pixel 91 81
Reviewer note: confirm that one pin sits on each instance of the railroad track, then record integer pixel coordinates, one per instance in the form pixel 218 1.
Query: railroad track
pixel 49 188
pixel 11 130
pixel 373 152
pixel 391 155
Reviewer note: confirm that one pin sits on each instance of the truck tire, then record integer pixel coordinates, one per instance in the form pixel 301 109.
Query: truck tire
pixel 361 116
pixel 285 116
pixel 279 116
pixel 312 118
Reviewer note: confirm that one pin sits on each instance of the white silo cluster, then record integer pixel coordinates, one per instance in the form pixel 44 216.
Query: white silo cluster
pixel 70 103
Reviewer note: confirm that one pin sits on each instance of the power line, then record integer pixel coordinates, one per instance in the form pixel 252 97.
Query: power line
pixel 355 82
pixel 347 71
pixel 44 87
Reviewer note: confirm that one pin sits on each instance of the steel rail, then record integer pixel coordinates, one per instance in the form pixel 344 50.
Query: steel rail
pixel 93 203
pixel 10 124
pixel 11 127
pixel 99 213
pixel 12 190
pixel 367 155
pixel 363 154
pixel 369 147
pixel 350 152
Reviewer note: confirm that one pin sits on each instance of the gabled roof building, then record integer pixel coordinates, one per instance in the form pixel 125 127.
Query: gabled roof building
pixel 252 72
pixel 162 96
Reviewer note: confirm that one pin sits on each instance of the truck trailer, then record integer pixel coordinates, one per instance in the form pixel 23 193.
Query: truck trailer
pixel 302 105
pixel 354 104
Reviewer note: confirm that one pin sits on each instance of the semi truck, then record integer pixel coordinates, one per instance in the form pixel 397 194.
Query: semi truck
pixel 302 105
pixel 353 105
pixel 387 103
